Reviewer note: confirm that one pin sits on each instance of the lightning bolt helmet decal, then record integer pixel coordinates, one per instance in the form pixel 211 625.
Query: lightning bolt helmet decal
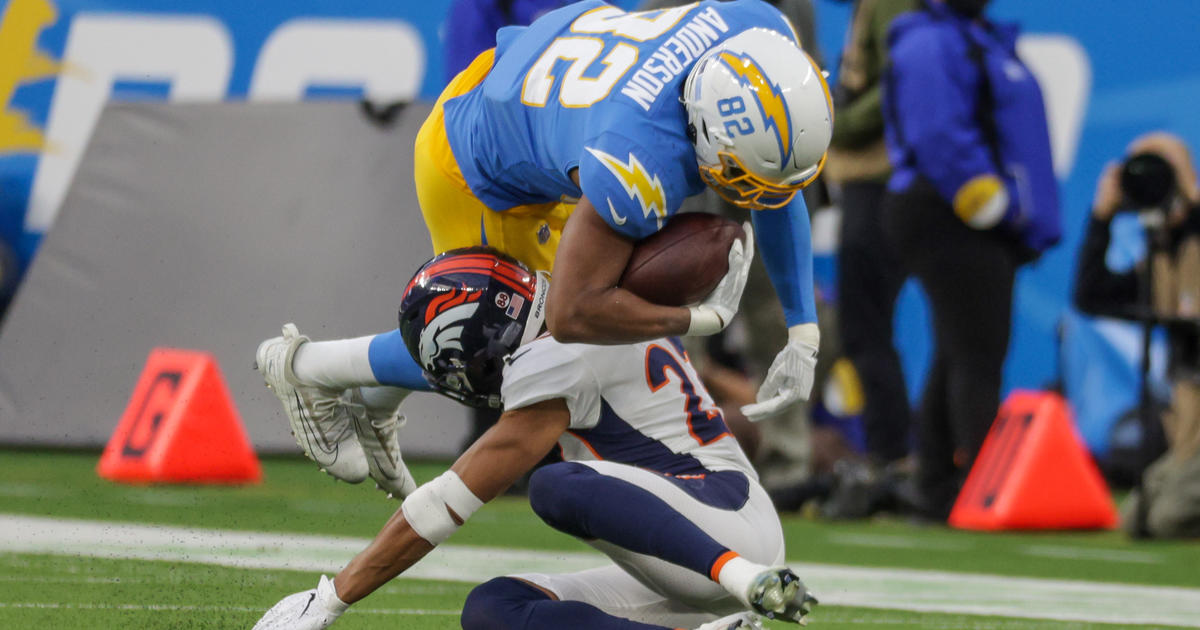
pixel 769 97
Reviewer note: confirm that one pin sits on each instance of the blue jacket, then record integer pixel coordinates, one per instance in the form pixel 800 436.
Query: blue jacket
pixel 471 26
pixel 950 123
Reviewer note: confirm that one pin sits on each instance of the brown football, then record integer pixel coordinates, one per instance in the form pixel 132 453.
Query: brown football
pixel 683 262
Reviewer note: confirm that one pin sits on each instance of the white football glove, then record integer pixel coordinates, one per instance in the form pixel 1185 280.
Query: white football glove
pixel 314 609
pixel 790 378
pixel 716 311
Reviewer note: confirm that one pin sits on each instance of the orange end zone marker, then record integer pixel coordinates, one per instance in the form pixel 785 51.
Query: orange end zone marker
pixel 1034 472
pixel 181 426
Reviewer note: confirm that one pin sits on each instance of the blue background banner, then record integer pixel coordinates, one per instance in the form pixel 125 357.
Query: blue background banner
pixel 1144 75
pixel 1116 69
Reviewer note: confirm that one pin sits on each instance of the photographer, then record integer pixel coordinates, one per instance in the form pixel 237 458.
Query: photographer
pixel 1158 180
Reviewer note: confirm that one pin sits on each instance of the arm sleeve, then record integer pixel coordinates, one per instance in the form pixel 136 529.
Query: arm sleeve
pixel 933 92
pixel 785 243
pixel 1099 291
pixel 544 369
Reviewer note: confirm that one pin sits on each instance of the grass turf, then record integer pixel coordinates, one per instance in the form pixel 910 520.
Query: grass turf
pixel 68 592
pixel 64 592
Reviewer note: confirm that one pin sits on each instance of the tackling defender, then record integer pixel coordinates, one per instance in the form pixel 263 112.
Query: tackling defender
pixel 651 477
pixel 573 138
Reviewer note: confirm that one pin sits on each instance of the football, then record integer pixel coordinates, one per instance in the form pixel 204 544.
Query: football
pixel 683 262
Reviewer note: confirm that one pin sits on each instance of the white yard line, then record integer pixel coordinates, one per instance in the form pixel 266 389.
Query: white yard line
pixel 210 608
pixel 895 541
pixel 1098 555
pixel 895 589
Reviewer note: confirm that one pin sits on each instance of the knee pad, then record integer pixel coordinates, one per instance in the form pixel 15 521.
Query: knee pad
pixel 499 604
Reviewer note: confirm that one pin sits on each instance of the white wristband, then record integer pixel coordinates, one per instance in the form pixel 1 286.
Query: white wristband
pixel 428 509
pixel 705 321
pixel 808 334
pixel 458 496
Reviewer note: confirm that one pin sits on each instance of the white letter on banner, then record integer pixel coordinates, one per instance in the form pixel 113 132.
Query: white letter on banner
pixel 193 54
pixel 1064 72
pixel 385 57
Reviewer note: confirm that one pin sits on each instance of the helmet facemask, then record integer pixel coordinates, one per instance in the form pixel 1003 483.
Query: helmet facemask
pixel 744 189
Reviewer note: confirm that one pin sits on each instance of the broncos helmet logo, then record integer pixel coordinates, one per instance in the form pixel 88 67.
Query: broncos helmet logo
pixel 444 333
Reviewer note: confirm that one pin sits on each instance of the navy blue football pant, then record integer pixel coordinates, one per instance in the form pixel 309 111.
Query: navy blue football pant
pixel 638 518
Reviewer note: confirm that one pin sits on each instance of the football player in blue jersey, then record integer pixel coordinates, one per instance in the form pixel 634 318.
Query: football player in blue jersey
pixel 572 139
pixel 651 476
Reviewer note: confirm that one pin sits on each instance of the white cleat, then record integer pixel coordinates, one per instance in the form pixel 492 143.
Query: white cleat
pixel 740 621
pixel 380 440
pixel 321 423
pixel 778 593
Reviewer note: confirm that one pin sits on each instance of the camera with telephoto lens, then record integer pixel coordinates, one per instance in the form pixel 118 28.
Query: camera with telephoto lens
pixel 1147 181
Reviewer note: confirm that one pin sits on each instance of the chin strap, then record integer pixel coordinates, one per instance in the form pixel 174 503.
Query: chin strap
pixel 537 312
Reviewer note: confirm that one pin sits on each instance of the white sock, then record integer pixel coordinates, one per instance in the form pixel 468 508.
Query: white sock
pixel 338 365
pixel 737 574
pixel 383 400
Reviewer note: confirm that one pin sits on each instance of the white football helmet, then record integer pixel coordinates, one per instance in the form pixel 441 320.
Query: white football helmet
pixel 761 117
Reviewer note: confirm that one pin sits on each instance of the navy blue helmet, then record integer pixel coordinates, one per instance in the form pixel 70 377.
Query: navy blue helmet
pixel 463 312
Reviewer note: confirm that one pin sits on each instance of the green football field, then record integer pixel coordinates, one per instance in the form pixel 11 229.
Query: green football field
pixel 80 552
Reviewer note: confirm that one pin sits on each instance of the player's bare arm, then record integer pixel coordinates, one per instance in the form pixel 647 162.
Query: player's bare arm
pixel 585 305
pixel 511 448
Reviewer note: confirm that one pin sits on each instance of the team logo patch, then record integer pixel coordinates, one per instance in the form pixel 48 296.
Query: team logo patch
pixel 768 96
pixel 637 182
pixel 543 234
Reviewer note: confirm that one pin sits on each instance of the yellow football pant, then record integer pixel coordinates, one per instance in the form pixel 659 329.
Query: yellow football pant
pixel 455 217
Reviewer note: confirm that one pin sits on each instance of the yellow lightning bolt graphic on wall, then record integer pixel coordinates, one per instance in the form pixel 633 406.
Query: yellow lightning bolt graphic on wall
pixel 770 101
pixel 20 62
pixel 636 181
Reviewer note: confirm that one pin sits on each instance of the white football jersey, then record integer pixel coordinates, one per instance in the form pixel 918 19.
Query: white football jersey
pixel 639 404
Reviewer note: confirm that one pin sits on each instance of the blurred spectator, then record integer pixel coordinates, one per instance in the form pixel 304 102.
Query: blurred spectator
pixel 471 26
pixel 785 452
pixel 1159 180
pixel 972 197
pixel 870 274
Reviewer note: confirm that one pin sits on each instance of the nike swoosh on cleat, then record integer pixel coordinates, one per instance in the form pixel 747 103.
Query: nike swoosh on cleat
pixel 311 597
pixel 379 437
pixel 384 472
pixel 314 438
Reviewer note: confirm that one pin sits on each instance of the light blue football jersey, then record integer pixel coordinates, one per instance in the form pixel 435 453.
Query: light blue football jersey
pixel 592 87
